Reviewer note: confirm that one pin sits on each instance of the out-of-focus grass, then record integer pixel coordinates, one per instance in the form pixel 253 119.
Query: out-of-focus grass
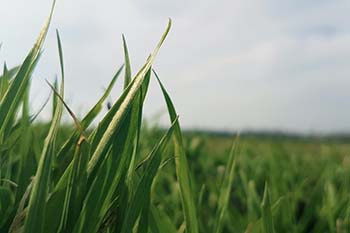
pixel 308 180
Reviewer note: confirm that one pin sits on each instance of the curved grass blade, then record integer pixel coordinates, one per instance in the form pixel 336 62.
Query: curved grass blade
pixel 125 104
pixel 56 198
pixel 36 209
pixel 34 116
pixel 85 123
pixel 16 90
pixel 182 170
pixel 34 221
pixel 90 116
pixel 76 181
pixel 109 175
pixel 102 193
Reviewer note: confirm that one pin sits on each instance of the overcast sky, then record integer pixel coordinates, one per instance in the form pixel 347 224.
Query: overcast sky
pixel 227 64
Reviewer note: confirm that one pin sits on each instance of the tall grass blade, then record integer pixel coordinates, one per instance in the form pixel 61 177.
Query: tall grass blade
pixel 125 104
pixel 182 169
pixel 25 170
pixel 36 209
pixel 225 190
pixel 68 146
pixel 267 221
pixel 16 90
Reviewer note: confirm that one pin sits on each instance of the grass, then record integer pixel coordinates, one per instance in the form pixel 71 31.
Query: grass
pixel 122 176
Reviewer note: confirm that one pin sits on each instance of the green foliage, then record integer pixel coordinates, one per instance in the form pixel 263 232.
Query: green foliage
pixel 122 176
pixel 266 212
pixel 182 169
pixel 224 196
pixel 83 182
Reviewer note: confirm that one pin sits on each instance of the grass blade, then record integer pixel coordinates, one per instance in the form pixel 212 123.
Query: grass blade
pixel 182 170
pixel 142 194
pixel 16 90
pixel 63 155
pixel 225 190
pixel 36 209
pixel 267 224
pixel 127 78
pixel 125 104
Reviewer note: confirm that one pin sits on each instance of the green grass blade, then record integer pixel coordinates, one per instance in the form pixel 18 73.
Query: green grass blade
pixel 105 178
pixel 54 97
pixel 142 194
pixel 127 78
pixel 34 221
pixel 25 170
pixel 16 90
pixel 267 221
pixel 136 142
pixel 182 170
pixel 108 175
pixel 125 104
pixel 76 185
pixel 91 115
pixel 225 190
pixel 36 209
pixel 63 154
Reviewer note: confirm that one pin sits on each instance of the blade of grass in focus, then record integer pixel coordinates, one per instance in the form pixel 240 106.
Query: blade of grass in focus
pixel 182 169
pixel 16 90
pixel 36 209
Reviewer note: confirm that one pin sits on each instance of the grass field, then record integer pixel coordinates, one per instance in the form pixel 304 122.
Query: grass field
pixel 122 176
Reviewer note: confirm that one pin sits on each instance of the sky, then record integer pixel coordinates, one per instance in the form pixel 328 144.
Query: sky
pixel 227 64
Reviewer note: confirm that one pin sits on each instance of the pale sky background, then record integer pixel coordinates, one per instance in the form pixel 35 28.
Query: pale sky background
pixel 232 65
